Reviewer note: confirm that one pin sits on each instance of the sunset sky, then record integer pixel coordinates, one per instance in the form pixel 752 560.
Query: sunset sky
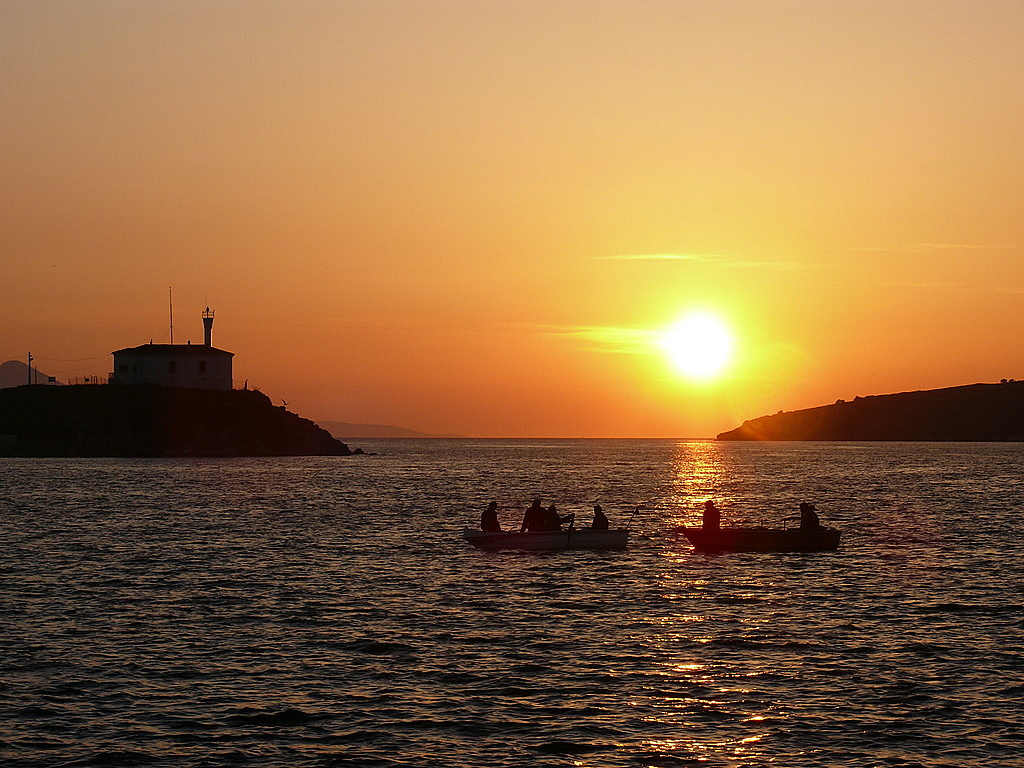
pixel 481 217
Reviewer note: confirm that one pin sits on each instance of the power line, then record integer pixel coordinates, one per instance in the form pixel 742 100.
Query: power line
pixel 70 360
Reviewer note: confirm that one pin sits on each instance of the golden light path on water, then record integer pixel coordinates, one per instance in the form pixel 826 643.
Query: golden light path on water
pixel 702 471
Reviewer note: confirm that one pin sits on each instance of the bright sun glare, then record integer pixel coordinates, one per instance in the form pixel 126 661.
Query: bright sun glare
pixel 699 345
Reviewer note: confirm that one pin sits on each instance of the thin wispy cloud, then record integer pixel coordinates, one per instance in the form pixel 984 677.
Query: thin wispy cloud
pixel 599 338
pixel 611 339
pixel 668 257
pixel 927 248
pixel 721 259
pixel 1000 290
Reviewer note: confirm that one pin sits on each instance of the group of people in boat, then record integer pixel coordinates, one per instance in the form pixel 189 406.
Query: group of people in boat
pixel 712 517
pixel 539 518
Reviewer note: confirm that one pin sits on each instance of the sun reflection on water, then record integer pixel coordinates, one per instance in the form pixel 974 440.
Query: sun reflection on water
pixel 714 638
pixel 700 472
pixel 713 702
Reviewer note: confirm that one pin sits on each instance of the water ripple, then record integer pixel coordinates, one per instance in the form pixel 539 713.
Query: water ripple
pixel 323 612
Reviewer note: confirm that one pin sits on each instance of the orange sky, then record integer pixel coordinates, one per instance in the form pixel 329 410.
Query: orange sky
pixel 446 215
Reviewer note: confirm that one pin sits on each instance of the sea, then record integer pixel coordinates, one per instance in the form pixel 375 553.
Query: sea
pixel 325 611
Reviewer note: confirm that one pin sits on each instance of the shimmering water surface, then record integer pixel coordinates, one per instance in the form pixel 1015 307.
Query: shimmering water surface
pixel 325 612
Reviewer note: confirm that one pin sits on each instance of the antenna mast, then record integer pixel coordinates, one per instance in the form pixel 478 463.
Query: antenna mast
pixel 170 306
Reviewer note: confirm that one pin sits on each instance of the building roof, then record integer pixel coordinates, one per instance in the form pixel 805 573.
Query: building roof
pixel 168 350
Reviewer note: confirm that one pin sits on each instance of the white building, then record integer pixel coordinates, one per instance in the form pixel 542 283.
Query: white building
pixel 197 366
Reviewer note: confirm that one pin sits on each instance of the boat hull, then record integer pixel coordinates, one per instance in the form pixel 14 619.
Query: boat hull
pixel 582 538
pixel 763 539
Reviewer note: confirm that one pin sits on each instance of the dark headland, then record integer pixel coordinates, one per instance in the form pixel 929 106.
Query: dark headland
pixel 148 420
pixel 972 413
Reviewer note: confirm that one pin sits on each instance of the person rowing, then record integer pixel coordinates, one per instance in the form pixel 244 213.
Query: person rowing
pixel 553 521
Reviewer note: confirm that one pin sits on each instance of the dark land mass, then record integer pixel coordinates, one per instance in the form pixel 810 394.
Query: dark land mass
pixel 146 420
pixel 972 413
pixel 343 429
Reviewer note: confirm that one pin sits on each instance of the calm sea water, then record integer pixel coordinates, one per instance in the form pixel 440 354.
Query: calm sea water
pixel 325 612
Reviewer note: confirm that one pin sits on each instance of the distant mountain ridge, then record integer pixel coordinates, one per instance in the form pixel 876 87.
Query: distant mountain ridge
pixel 343 429
pixel 970 413
pixel 14 373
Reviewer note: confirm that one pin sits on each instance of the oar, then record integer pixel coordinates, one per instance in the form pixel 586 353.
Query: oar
pixel 571 529
pixel 633 515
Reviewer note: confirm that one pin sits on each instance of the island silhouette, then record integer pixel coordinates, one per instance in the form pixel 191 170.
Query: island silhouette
pixel 970 413
pixel 159 400
pixel 149 420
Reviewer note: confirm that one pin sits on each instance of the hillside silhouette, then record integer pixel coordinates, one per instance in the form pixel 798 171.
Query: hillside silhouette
pixel 147 420
pixel 971 413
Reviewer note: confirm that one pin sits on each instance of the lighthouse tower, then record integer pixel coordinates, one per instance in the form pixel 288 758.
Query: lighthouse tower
pixel 208 327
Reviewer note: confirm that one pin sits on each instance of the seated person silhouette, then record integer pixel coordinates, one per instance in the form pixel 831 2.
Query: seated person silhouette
pixel 533 519
pixel 809 517
pixel 712 519
pixel 489 519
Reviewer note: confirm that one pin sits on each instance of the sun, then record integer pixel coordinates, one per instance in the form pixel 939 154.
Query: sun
pixel 699 345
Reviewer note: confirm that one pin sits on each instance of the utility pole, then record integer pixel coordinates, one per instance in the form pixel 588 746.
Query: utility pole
pixel 29 367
